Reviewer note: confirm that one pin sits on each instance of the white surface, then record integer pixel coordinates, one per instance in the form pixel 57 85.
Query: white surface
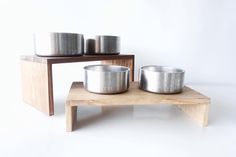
pixel 198 36
pixel 144 131
pixel 177 33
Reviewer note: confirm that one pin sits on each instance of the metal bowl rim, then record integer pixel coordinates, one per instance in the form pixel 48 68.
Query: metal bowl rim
pixel 67 33
pixel 173 69
pixel 123 68
pixel 98 36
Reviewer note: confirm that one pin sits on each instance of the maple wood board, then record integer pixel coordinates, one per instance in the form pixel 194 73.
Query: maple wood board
pixel 193 103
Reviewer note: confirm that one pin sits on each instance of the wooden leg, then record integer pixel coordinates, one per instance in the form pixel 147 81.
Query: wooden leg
pixel 37 86
pixel 123 62
pixel 198 112
pixel 71 116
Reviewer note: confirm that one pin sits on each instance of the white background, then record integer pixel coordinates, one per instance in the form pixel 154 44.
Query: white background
pixel 196 35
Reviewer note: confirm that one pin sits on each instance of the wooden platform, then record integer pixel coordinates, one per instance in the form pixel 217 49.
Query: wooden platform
pixel 37 74
pixel 70 59
pixel 191 102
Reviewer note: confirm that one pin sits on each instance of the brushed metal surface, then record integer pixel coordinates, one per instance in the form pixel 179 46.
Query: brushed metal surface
pixel 58 44
pixel 106 79
pixel 161 79
pixel 107 44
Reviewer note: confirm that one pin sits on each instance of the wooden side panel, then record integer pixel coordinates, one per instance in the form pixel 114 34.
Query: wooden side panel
pixel 71 116
pixel 37 86
pixel 123 62
pixel 198 112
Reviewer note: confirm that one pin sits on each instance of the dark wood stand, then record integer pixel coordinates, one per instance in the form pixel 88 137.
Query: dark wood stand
pixel 37 82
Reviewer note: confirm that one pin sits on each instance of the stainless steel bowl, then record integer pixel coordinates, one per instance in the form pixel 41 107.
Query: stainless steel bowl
pixel 58 44
pixel 106 79
pixel 107 44
pixel 161 79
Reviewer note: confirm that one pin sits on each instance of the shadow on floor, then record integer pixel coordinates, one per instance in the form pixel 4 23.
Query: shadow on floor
pixel 59 107
pixel 104 113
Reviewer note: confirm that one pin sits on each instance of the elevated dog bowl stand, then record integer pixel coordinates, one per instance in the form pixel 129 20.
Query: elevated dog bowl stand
pixel 191 102
pixel 37 82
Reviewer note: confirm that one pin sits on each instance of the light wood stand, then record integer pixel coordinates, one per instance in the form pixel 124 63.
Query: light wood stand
pixel 193 103
pixel 37 82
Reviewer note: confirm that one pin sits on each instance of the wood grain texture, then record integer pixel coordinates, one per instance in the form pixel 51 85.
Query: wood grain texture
pixel 198 112
pixel 70 59
pixel 37 85
pixel 123 62
pixel 135 96
pixel 71 116
pixel 193 103
pixel 37 82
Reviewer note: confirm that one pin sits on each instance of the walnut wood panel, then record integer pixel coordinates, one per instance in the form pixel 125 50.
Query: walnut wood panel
pixel 37 85
pixel 37 79
pixel 84 58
